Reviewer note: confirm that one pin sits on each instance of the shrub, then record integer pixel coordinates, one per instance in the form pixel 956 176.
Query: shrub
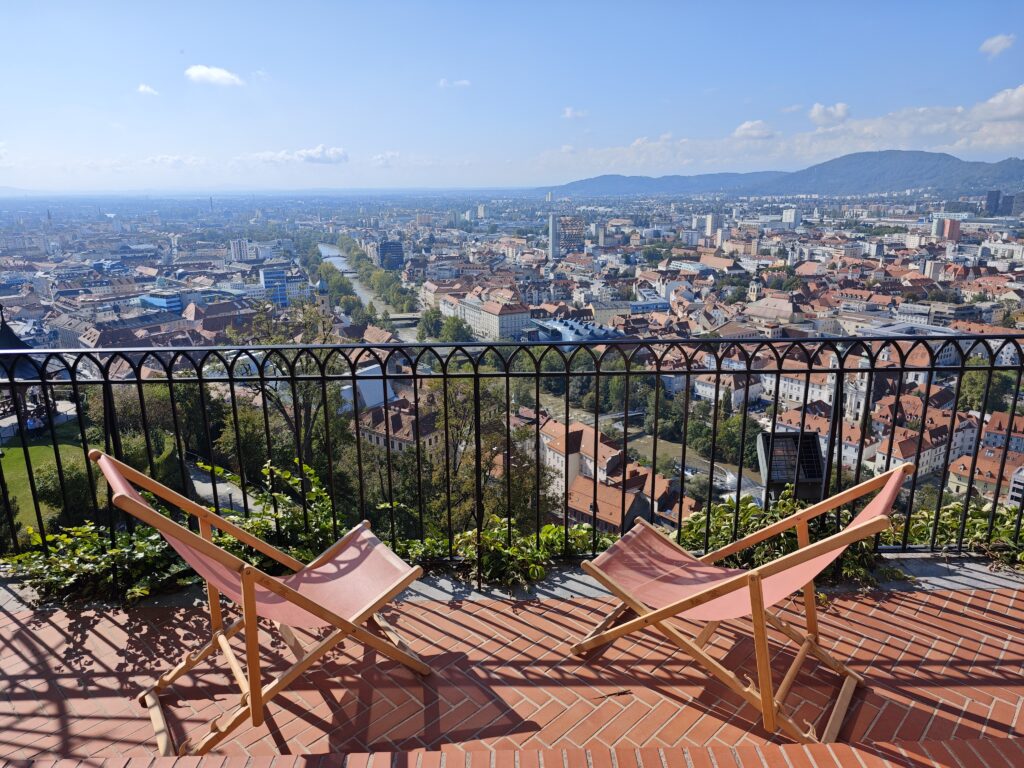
pixel 857 564
pixel 504 562
pixel 946 529
pixel 277 516
pixel 82 563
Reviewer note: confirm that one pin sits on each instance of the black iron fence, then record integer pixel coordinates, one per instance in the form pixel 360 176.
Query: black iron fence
pixel 433 441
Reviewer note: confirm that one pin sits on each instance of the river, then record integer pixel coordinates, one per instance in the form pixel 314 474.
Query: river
pixel 332 255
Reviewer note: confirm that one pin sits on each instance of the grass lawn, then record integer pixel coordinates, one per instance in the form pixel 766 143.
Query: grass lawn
pixel 41 454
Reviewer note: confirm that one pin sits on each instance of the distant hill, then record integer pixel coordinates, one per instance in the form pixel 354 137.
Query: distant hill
pixel 613 184
pixel 860 173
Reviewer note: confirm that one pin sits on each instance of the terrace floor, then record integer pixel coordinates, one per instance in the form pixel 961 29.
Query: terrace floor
pixel 943 666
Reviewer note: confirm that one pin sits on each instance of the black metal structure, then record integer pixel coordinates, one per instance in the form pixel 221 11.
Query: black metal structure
pixel 433 439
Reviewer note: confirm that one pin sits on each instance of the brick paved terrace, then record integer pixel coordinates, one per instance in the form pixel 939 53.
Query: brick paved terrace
pixel 943 670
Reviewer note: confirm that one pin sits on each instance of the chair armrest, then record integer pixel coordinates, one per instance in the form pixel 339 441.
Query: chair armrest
pixel 739 581
pixel 813 511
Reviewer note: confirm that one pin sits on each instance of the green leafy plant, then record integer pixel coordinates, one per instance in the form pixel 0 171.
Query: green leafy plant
pixel 505 562
pixel 279 517
pixel 1000 547
pixel 858 563
pixel 82 563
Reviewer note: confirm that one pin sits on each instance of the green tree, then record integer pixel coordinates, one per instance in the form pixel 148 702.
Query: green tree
pixel 972 390
pixel 430 324
pixel 454 329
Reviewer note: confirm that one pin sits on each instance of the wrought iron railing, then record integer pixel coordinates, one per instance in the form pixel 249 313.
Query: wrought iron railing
pixel 429 441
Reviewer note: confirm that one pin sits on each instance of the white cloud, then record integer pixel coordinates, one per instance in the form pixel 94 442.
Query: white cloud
pixel 823 115
pixel 753 129
pixel 1005 105
pixel 990 129
pixel 996 44
pixel 147 90
pixel 571 113
pixel 320 154
pixel 792 108
pixel 444 82
pixel 200 73
pixel 174 161
pixel 385 159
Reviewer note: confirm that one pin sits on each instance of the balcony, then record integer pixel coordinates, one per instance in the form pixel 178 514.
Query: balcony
pixel 447 449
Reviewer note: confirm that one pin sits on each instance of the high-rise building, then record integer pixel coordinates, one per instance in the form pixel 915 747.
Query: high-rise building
pixel 711 222
pixel 274 282
pixel 554 246
pixel 937 226
pixel 1018 205
pixel 390 254
pixel 239 250
pixel 571 234
pixel 481 211
pixel 1006 205
pixel 790 217
pixel 547 197
pixel 992 202
pixel 951 230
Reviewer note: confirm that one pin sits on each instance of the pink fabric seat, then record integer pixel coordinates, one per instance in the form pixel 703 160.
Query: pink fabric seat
pixel 656 572
pixel 345 584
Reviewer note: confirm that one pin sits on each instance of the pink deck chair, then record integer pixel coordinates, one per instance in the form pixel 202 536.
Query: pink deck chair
pixel 342 590
pixel 661 582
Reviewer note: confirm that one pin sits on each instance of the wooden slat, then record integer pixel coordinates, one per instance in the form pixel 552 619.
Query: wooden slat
pixel 803 538
pixel 296 647
pixel 835 722
pixel 164 742
pixel 762 653
pixel 792 672
pixel 705 634
pixel 236 668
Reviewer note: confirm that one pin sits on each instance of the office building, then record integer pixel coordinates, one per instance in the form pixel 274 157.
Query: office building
pixel 239 250
pixel 571 234
pixel 390 255
pixel 554 246
pixel 992 200
pixel 274 282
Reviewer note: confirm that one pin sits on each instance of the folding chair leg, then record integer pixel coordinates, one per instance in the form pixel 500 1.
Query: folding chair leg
pixel 705 634
pixel 297 649
pixel 816 650
pixel 191 660
pixel 607 622
pixel 388 630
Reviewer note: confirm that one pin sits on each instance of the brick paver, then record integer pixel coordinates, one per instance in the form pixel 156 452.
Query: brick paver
pixel 943 670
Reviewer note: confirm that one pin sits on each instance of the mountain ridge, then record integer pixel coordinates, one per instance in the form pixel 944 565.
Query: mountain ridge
pixel 890 170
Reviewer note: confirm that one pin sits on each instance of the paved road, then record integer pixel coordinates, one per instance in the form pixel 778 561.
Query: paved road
pixel 228 496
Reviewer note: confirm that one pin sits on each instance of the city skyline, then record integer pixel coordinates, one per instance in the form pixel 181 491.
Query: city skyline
pixel 127 99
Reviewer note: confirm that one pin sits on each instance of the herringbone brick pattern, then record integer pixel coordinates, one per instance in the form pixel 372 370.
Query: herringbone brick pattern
pixel 940 666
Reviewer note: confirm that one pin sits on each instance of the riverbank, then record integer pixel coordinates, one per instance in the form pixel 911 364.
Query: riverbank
pixel 331 254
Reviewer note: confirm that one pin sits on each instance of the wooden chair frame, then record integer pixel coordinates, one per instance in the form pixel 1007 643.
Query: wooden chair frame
pixel 763 695
pixel 254 693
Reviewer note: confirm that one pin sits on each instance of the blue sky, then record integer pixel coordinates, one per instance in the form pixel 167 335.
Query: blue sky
pixel 102 96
